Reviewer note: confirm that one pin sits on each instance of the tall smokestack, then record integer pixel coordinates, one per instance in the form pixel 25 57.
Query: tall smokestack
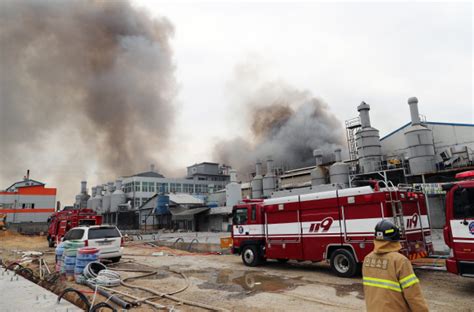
pixel 363 109
pixel 83 187
pixel 258 168
pixel 415 115
pixel 257 182
pixel 318 157
pixel 233 175
pixel 269 165
pixel 337 153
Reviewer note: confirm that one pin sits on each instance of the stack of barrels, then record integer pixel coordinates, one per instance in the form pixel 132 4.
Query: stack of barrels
pixel 84 256
pixel 59 256
pixel 69 255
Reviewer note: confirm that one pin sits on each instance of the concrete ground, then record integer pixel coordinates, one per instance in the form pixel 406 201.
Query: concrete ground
pixel 223 282
pixel 19 294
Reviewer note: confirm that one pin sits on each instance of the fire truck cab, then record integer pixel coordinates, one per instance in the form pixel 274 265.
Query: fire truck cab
pixel 459 228
pixel 336 226
pixel 61 222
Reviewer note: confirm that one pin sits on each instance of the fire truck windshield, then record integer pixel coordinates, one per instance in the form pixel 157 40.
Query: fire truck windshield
pixel 464 203
pixel 240 216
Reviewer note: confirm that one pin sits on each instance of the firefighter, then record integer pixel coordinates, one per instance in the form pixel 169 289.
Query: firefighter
pixel 389 281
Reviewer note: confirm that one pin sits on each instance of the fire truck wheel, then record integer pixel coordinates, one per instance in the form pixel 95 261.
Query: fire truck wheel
pixel 50 242
pixel 250 256
pixel 343 263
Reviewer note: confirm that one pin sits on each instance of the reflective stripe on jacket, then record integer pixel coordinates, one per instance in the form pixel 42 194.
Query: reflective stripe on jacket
pixel 389 281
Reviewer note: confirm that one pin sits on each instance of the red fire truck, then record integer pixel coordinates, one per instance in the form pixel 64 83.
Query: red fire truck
pixel 336 225
pixel 459 228
pixel 64 220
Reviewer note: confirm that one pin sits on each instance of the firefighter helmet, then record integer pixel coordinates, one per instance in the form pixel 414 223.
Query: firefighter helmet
pixel 387 231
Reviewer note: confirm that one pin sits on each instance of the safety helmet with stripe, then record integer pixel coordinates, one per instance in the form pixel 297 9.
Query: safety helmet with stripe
pixel 385 230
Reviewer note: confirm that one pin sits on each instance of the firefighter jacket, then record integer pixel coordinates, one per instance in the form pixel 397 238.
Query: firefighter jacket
pixel 389 281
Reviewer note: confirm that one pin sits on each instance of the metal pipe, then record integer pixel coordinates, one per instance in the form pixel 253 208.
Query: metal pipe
pixel 319 157
pixel 415 115
pixel 363 110
pixel 337 152
pixel 258 168
pixel 124 304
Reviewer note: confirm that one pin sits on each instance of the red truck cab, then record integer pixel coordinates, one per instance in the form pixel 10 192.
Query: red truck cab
pixel 62 221
pixel 459 228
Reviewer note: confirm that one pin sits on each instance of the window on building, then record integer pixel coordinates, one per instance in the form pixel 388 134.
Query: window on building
pixel 151 187
pixel 136 202
pixel 144 186
pixel 137 186
pixel 23 206
pixel 188 188
pixel 175 187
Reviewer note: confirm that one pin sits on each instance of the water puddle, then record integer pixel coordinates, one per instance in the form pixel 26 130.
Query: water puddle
pixel 246 281
pixel 253 282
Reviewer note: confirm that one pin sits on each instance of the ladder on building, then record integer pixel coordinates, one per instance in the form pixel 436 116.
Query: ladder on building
pixel 351 127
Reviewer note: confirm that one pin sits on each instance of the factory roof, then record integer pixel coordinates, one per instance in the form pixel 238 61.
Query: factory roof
pixel 148 174
pixel 185 199
pixel 23 183
pixel 428 123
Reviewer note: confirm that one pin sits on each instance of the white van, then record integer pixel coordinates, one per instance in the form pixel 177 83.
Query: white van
pixel 106 238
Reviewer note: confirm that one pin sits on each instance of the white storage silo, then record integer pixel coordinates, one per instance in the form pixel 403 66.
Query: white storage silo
pixel 369 150
pixel 269 180
pixel 233 190
pixel 257 182
pixel 339 171
pixel 107 197
pixel 318 174
pixel 118 197
pixel 419 140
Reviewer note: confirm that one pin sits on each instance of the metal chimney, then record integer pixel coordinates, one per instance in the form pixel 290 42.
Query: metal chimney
pixel 415 115
pixel 83 187
pixel 257 182
pixel 363 110
pixel 269 183
pixel 337 153
pixel 339 171
pixel 152 168
pixel 318 156
pixel 233 175
pixel 258 168
pixel 318 174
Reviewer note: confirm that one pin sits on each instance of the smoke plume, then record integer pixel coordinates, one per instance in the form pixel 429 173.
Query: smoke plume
pixel 92 80
pixel 280 121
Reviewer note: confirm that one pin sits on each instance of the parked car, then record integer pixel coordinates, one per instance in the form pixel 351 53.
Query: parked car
pixel 106 238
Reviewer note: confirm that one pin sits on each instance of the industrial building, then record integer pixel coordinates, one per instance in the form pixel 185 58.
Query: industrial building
pixel 186 212
pixel 421 153
pixel 119 201
pixel 28 204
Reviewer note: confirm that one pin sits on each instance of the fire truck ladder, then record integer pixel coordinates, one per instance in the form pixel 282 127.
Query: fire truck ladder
pixel 397 208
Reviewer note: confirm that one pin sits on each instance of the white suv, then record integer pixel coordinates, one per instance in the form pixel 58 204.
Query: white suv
pixel 106 238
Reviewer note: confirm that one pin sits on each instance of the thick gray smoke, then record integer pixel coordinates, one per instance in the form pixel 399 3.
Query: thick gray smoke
pixel 93 80
pixel 285 123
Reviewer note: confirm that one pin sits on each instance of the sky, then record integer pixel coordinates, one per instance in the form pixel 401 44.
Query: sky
pixel 341 52
pixel 344 53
